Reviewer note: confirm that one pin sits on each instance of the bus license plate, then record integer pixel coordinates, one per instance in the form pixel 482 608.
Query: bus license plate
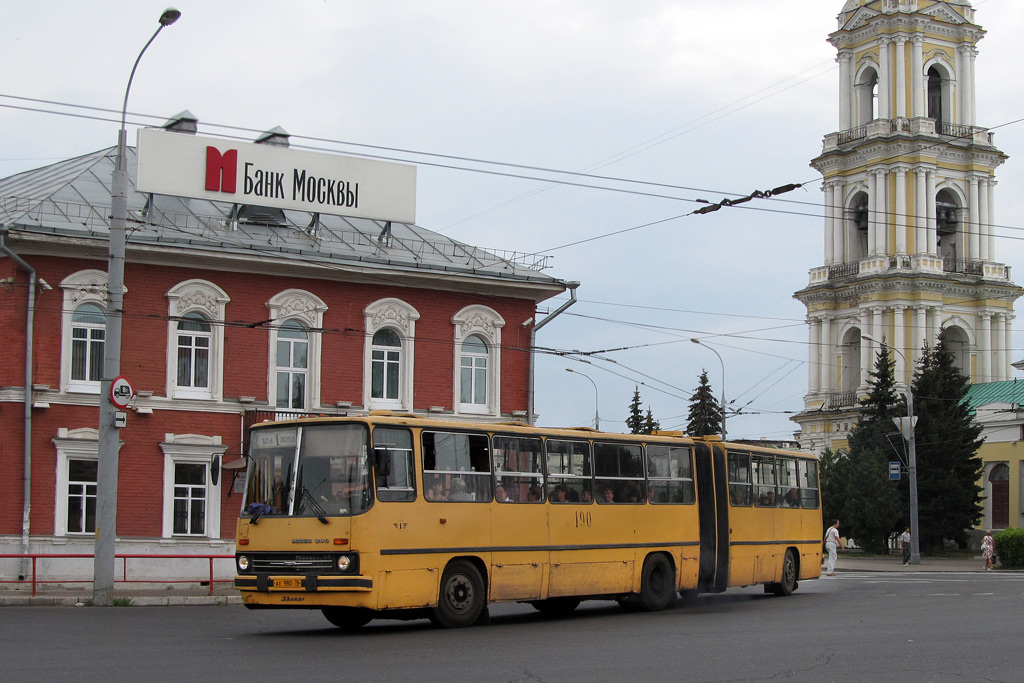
pixel 288 583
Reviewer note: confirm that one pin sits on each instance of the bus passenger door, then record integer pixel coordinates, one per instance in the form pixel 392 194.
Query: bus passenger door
pixel 713 515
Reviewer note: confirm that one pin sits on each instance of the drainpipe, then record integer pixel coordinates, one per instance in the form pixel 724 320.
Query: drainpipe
pixel 533 339
pixel 26 515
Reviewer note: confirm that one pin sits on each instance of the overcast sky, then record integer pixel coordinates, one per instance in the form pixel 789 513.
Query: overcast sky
pixel 719 98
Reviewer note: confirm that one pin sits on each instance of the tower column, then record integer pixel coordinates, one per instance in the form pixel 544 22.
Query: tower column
pixel 985 228
pixel 814 370
pixel 901 76
pixel 899 341
pixel 920 213
pixel 920 333
pixel 830 221
pixel 883 79
pixel 991 187
pixel 839 250
pixel 973 238
pixel 845 60
pixel 878 215
pixel 917 76
pixel 999 337
pixel 1003 371
pixel 825 354
pixel 985 347
pixel 901 210
pixel 931 239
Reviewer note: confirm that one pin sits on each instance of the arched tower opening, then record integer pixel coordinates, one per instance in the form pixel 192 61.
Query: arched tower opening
pixel 857 227
pixel 851 360
pixel 959 344
pixel 949 226
pixel 940 96
pixel 867 96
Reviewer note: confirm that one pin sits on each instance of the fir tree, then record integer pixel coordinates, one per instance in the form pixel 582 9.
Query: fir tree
pixel 833 475
pixel 948 464
pixel 871 505
pixel 705 414
pixel 650 424
pixel 635 420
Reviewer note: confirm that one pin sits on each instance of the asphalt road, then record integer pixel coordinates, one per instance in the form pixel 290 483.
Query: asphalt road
pixel 859 627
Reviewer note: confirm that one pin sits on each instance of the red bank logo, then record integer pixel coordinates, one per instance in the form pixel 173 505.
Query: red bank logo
pixel 221 170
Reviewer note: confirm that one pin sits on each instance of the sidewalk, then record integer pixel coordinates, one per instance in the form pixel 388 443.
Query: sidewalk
pixel 857 562
pixel 63 597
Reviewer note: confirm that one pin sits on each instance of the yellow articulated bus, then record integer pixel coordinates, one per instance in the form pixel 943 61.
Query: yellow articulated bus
pixel 397 516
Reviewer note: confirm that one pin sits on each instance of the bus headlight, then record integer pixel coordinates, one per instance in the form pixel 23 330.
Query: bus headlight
pixel 344 563
pixel 243 563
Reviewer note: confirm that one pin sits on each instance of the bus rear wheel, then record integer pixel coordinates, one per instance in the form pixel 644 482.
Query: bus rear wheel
pixel 348 618
pixel 462 597
pixel 556 606
pixel 657 584
pixel 788 583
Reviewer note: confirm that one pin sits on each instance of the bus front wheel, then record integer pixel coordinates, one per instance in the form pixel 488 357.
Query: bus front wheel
pixel 348 618
pixel 462 597
pixel 657 584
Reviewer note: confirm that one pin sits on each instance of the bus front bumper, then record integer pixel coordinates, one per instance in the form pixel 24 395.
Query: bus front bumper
pixel 310 583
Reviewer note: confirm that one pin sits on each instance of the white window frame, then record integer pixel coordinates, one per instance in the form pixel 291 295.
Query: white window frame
pixel 400 317
pixel 71 444
pixel 290 368
pixel 308 310
pixel 85 286
pixel 193 449
pixel 210 301
pixel 485 323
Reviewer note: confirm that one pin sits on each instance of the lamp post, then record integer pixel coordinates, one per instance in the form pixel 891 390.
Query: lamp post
pixel 712 349
pixel 109 439
pixel 908 434
pixel 597 416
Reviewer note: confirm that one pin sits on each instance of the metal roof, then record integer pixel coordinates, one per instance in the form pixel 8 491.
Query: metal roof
pixel 985 393
pixel 70 200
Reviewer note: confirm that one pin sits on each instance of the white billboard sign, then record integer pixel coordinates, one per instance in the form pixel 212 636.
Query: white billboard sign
pixel 220 170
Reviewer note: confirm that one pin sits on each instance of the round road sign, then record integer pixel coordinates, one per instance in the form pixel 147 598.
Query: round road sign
pixel 121 392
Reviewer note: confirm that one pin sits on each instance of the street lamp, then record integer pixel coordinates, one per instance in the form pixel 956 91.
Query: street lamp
pixel 109 439
pixel 908 434
pixel 597 416
pixel 712 349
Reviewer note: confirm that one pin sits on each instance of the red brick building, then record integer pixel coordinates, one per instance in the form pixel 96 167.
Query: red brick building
pixel 232 313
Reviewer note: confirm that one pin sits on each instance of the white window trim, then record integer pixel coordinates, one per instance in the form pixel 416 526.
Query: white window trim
pixel 400 317
pixel 308 310
pixel 71 444
pixel 85 286
pixel 191 449
pixel 486 323
pixel 211 301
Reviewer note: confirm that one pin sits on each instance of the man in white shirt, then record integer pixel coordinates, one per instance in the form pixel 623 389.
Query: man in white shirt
pixel 831 541
pixel 905 546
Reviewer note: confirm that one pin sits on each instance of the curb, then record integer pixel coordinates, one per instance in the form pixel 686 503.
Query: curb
pixel 136 600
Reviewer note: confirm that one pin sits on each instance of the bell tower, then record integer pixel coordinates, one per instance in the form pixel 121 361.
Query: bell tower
pixel 909 183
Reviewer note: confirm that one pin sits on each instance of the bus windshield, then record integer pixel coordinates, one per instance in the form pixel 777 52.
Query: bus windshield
pixel 312 471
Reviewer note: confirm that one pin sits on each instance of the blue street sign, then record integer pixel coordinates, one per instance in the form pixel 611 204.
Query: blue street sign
pixel 894 470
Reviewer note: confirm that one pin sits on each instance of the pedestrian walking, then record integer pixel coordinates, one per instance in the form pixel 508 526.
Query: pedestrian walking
pixel 831 541
pixel 905 546
pixel 988 550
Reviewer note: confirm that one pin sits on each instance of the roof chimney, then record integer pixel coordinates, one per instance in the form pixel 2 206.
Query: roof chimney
pixel 276 136
pixel 183 122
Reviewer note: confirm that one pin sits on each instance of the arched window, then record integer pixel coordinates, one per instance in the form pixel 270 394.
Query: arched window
pixel 477 381
pixel 867 96
pixel 959 344
pixel 949 230
pixel 388 360
pixel 473 371
pixel 999 481
pixel 386 365
pixel 292 365
pixel 194 344
pixel 195 340
pixel 851 360
pixel 88 332
pixel 857 227
pixel 83 331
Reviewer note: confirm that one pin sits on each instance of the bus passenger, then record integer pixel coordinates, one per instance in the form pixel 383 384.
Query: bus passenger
pixel 435 490
pixel 607 495
pixel 458 491
pixel 559 494
pixel 792 499
pixel 501 495
pixel 586 496
pixel 534 495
